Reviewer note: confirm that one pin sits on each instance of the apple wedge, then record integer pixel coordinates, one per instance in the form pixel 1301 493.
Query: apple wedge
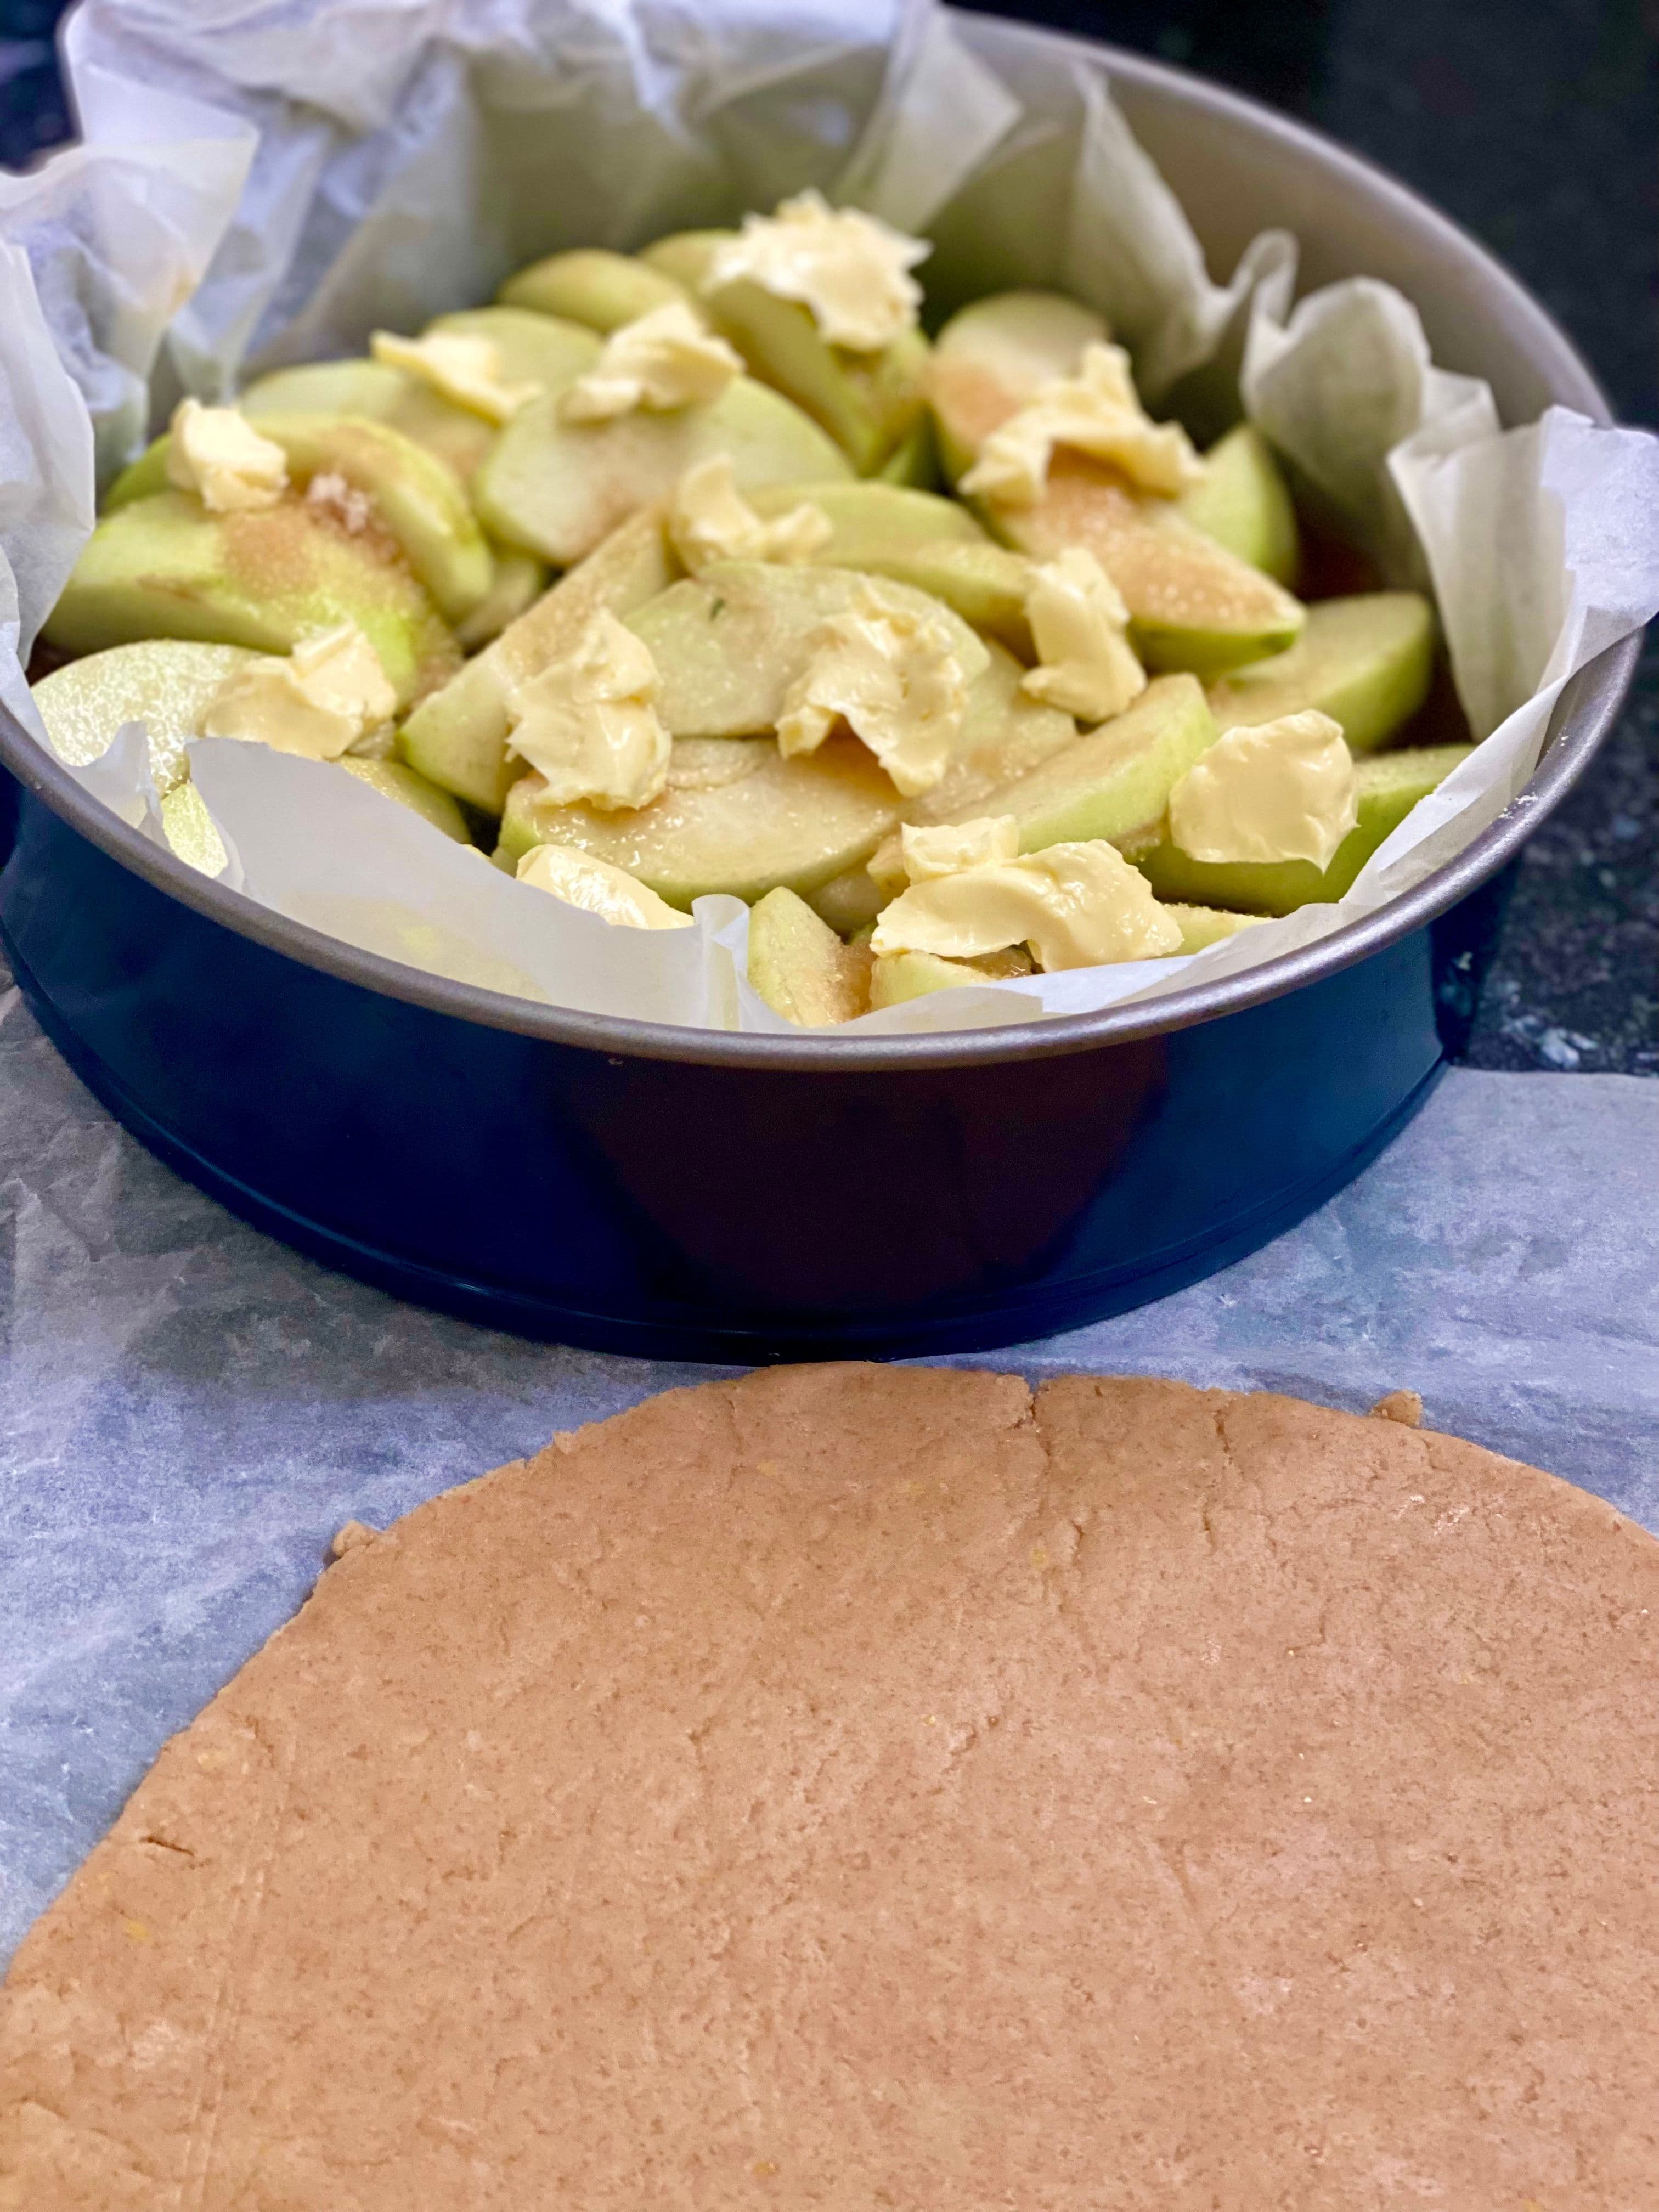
pixel 686 256
pixel 865 512
pixel 1244 504
pixel 1193 605
pixel 1113 783
pixel 1208 925
pixel 165 683
pixel 769 822
pixel 165 568
pixel 1390 784
pixel 1366 661
pixel 868 402
pixel 558 489
pixel 600 290
pixel 729 643
pixel 802 967
pixel 417 498
pixel 989 360
pixel 395 781
pixel 383 394
pixel 897 976
pixel 458 737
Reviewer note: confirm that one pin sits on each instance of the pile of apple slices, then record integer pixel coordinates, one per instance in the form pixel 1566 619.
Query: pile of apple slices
pixel 702 570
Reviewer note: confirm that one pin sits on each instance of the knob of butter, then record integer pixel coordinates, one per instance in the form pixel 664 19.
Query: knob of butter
pixel 1282 790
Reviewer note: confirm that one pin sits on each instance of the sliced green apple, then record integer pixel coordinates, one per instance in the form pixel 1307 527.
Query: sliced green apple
pixel 914 459
pixel 415 496
pixel 519 581
pixel 1244 504
pixel 1192 605
pixel 728 644
pixel 1006 734
pixel 600 289
pixel 533 349
pixel 985 584
pixel 865 514
pixel 990 358
pixel 164 566
pixel 1390 784
pixel 1207 925
pixel 1366 661
pixel 458 737
pixel 796 823
pixel 382 393
pixel 686 256
pixel 868 402
pixel 802 967
pixel 897 976
pixel 557 489
pixel 165 683
pixel 1116 782
pixel 393 781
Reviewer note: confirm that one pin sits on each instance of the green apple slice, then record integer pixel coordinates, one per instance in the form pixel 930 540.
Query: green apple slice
pixel 164 683
pixel 458 737
pixel 165 568
pixel 1006 734
pixel 989 360
pixel 600 290
pixel 1192 605
pixel 1116 782
pixel 533 349
pixel 868 402
pixel 519 581
pixel 728 644
pixel 686 256
pixel 914 459
pixel 795 823
pixel 1390 784
pixel 1244 504
pixel 1207 925
pixel 393 781
pixel 415 496
pixel 986 585
pixel 383 394
pixel 1366 661
pixel 802 967
pixel 557 489
pixel 868 513
pixel 897 976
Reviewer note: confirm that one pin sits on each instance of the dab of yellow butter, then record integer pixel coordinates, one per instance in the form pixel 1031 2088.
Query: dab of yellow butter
pixel 891 674
pixel 1283 790
pixel 709 519
pixel 218 454
pixel 1086 668
pixel 952 846
pixel 1075 906
pixel 1098 412
pixel 665 360
pixel 589 723
pixel 598 887
pixel 460 366
pixel 329 694
pixel 850 269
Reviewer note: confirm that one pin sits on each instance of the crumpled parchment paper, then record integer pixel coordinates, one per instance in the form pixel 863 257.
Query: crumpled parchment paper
pixel 188 1410
pixel 334 165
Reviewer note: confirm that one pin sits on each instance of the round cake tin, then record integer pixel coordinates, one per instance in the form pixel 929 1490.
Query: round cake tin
pixel 706 1195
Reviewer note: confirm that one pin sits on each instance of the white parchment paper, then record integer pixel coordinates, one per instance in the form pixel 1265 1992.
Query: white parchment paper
pixel 267 185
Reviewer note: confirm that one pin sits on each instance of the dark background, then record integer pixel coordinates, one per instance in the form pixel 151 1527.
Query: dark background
pixel 1532 122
